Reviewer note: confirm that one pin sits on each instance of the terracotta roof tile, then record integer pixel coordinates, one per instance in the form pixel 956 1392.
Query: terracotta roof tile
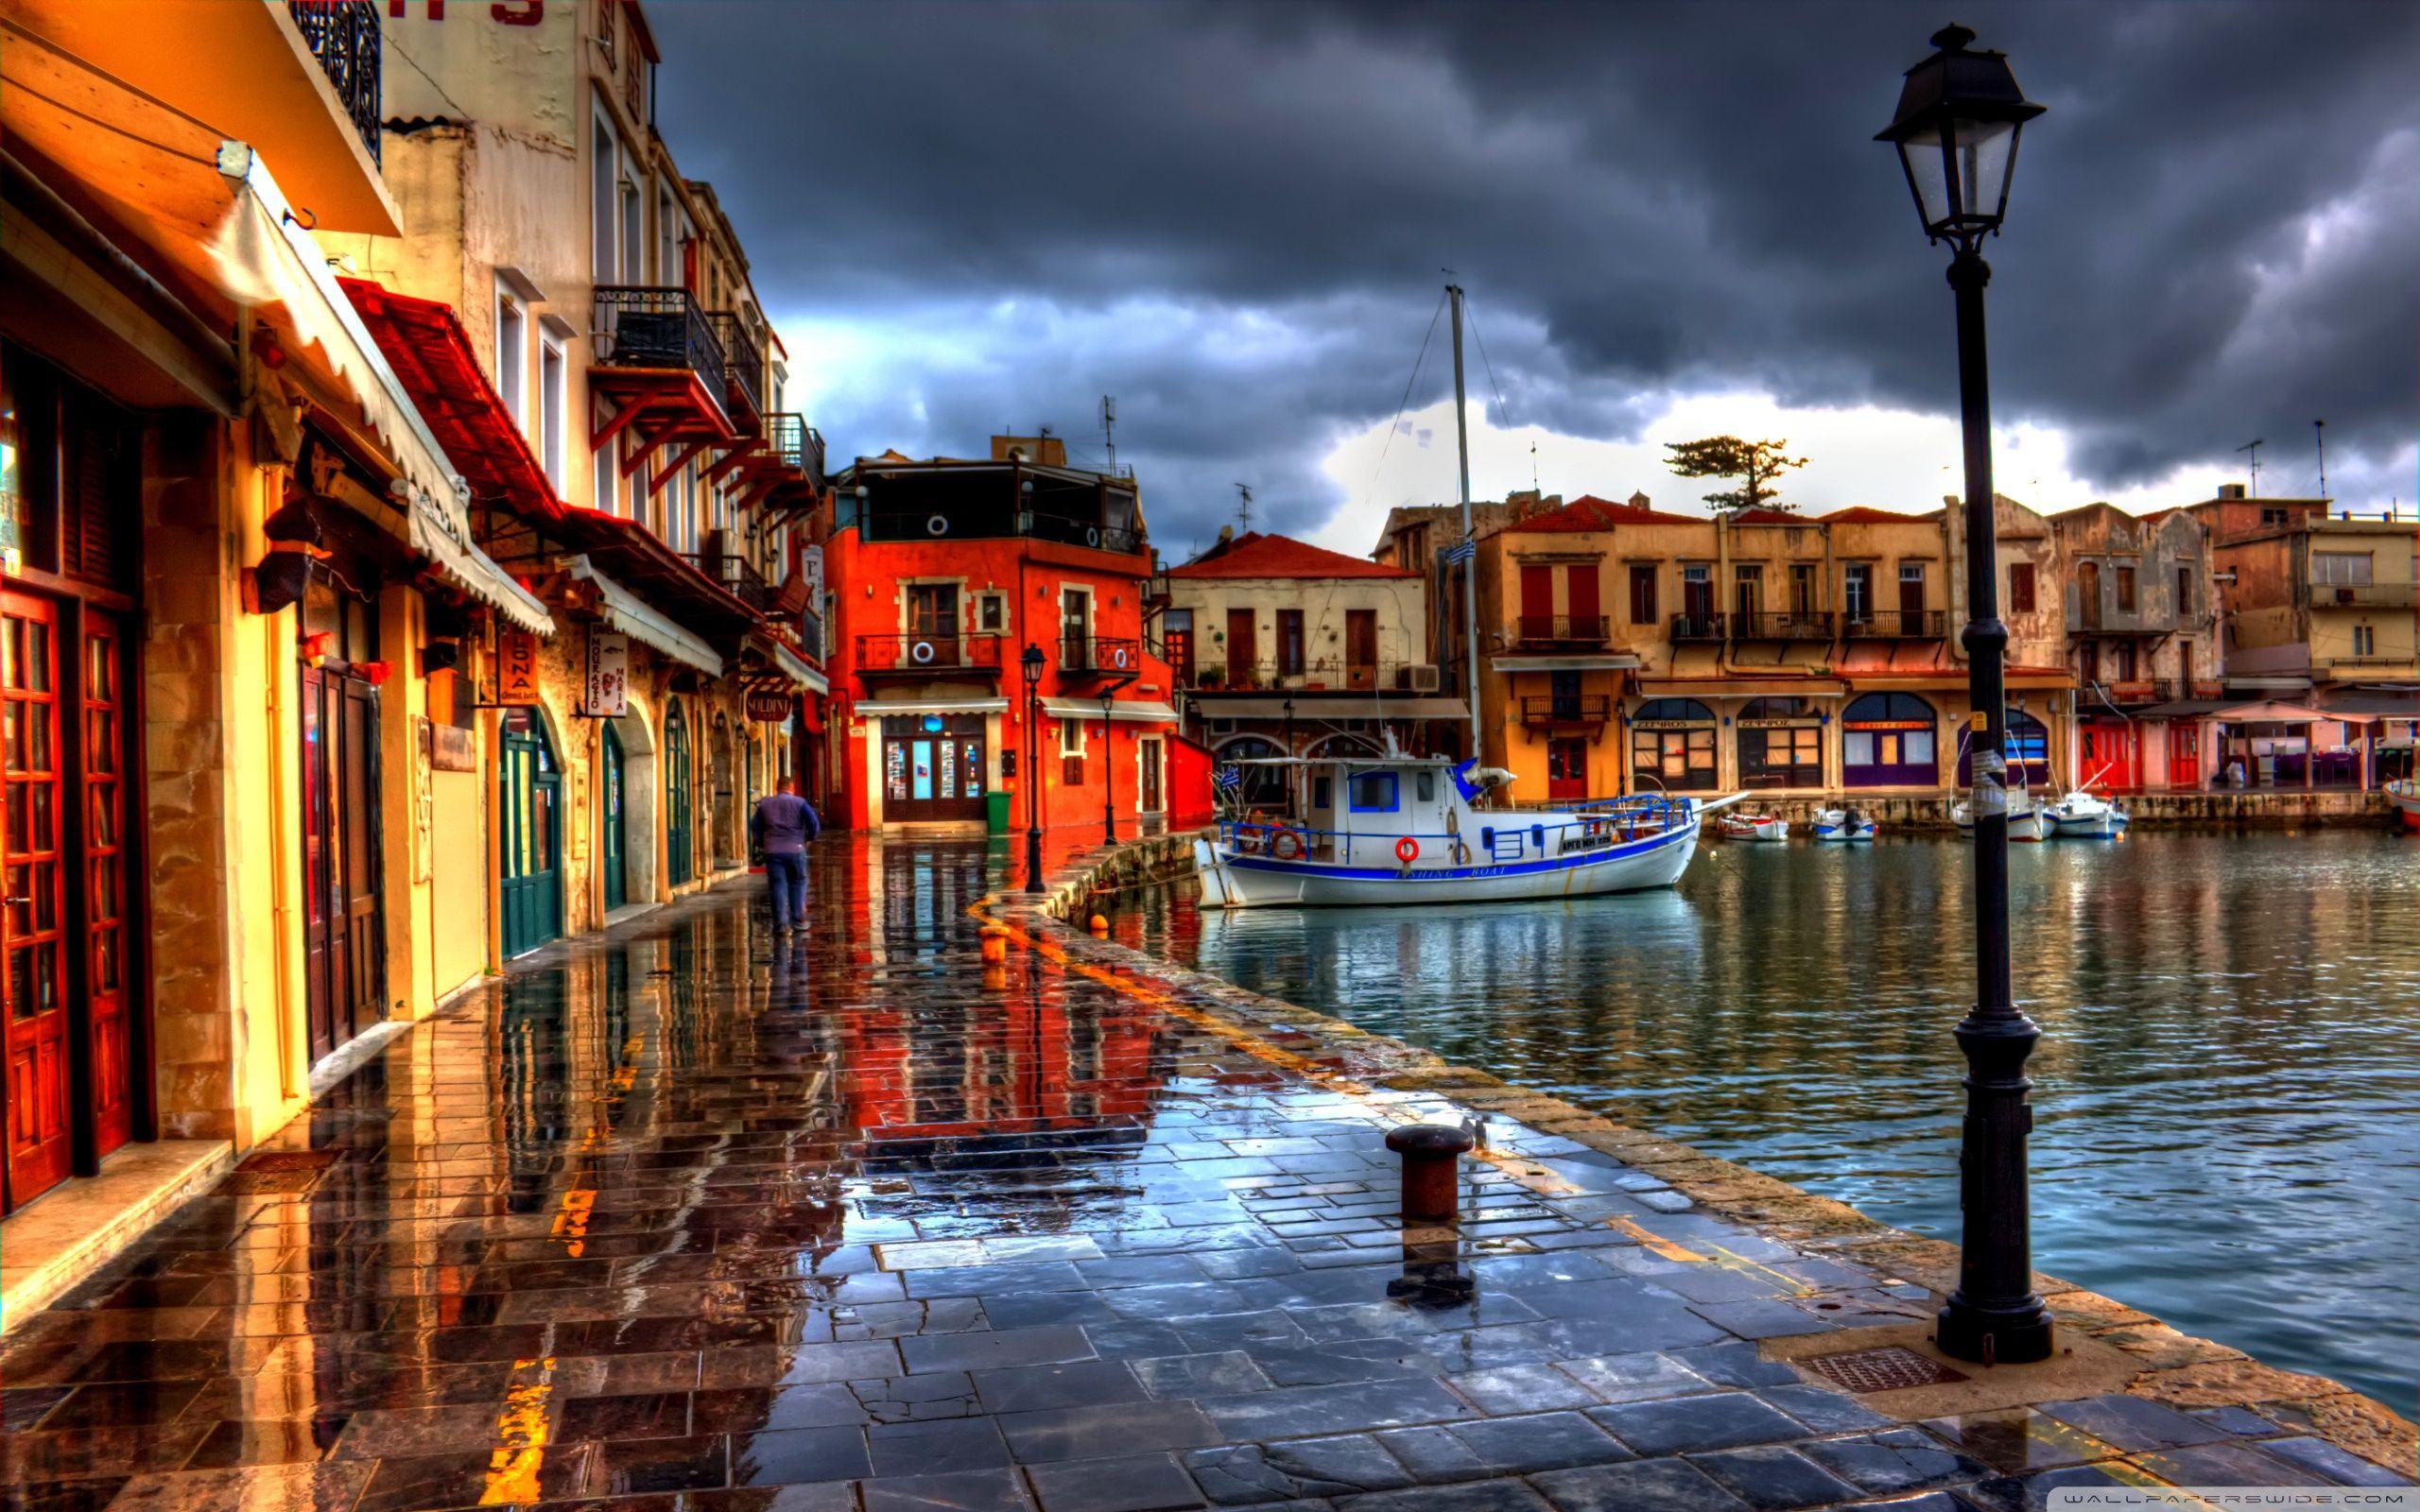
pixel 1589 513
pixel 1253 555
pixel 1860 514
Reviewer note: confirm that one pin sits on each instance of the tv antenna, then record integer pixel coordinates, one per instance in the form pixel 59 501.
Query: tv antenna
pixel 1243 506
pixel 2254 448
pixel 2318 437
pixel 1109 428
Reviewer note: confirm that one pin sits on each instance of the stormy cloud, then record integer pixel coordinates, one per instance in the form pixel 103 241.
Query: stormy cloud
pixel 1233 216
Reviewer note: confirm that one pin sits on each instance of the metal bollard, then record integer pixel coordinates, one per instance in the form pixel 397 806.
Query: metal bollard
pixel 1431 1170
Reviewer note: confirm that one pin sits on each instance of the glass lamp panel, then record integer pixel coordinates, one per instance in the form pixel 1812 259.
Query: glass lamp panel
pixel 1928 171
pixel 1984 151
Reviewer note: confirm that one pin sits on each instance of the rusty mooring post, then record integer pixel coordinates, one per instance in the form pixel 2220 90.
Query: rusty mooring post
pixel 1431 1170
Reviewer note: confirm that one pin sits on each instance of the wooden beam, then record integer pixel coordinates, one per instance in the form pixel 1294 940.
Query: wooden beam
pixel 730 462
pixel 621 420
pixel 672 468
pixel 649 443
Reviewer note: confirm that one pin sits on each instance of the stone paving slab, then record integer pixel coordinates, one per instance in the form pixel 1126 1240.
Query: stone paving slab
pixel 697 1217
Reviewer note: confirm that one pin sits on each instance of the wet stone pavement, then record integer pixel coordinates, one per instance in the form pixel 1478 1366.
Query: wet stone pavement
pixel 695 1216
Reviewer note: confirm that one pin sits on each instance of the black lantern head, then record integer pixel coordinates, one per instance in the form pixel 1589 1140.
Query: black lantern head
pixel 1031 661
pixel 1959 113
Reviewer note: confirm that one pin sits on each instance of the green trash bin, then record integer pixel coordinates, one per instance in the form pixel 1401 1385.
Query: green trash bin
pixel 995 807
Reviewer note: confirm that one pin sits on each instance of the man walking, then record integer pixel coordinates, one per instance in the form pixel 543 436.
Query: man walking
pixel 780 828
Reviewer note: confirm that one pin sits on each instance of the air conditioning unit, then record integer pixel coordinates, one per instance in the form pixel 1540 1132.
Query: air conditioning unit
pixel 2343 595
pixel 1424 677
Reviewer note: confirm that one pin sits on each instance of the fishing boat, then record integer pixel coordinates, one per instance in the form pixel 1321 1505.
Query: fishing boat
pixel 1398 829
pixel 1844 826
pixel 2084 816
pixel 2028 818
pixel 1771 829
pixel 2405 795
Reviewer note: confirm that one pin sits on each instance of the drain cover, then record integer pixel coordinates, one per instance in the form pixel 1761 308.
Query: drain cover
pixel 1886 1369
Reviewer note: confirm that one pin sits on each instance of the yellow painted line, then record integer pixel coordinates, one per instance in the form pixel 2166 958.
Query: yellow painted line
pixel 1655 1243
pixel 1756 1267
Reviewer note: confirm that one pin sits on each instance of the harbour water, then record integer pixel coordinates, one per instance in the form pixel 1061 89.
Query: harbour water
pixel 2228 1082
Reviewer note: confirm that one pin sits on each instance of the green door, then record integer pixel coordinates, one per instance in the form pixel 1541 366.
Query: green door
pixel 676 796
pixel 616 894
pixel 530 803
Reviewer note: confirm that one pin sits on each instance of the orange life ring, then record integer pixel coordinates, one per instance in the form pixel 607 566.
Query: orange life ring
pixel 1407 850
pixel 1287 846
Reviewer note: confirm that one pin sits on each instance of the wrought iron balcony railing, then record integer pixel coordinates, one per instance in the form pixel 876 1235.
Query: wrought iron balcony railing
pixel 1104 656
pixel 1325 675
pixel 1561 629
pixel 343 35
pixel 739 576
pixel 932 653
pixel 743 359
pixel 1072 531
pixel 644 326
pixel 1588 709
pixel 1902 623
pixel 1782 624
pixel 796 444
pixel 1697 627
pixel 2364 596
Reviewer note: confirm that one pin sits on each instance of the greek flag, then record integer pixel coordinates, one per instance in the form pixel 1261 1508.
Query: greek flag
pixel 1458 553
pixel 1230 777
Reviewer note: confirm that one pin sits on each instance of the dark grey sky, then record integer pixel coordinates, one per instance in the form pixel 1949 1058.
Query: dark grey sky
pixel 964 215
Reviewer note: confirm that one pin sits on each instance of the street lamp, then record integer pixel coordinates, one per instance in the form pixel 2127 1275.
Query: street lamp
pixel 1956 130
pixel 1108 773
pixel 1031 663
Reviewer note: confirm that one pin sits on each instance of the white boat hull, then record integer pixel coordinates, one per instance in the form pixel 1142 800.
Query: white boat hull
pixel 2102 826
pixel 1229 880
pixel 1835 827
pixel 2026 820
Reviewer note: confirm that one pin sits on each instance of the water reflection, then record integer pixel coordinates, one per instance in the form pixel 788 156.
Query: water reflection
pixel 2230 1078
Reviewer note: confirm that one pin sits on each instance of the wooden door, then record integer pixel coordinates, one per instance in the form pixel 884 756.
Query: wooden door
pixel 1362 647
pixel 107 961
pixel 932 619
pixel 2088 593
pixel 1075 630
pixel 1147 767
pixel 530 802
pixel 932 768
pixel 1912 599
pixel 1567 768
pixel 1579 600
pixel 676 798
pixel 34 1030
pixel 327 987
pixel 1179 645
pixel 356 810
pixel 2184 753
pixel 1537 602
pixel 1243 648
pixel 610 785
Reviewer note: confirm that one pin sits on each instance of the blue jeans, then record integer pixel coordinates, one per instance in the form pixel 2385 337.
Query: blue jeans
pixel 785 870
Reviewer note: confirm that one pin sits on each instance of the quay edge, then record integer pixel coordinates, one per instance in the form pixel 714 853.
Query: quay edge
pixel 2175 1368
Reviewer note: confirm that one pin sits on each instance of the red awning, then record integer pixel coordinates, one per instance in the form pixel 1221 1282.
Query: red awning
pixel 632 556
pixel 424 343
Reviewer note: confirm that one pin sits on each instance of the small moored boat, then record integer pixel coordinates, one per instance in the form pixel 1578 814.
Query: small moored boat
pixel 1765 827
pixel 1840 826
pixel 2083 816
pixel 2028 818
pixel 2405 795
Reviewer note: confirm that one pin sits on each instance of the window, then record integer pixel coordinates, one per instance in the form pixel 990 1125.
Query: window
pixel 2125 590
pixel 550 411
pixel 668 242
pixel 2272 517
pixel 1802 589
pixel 1372 793
pixel 1322 792
pixel 1911 587
pixel 1289 642
pixel 1790 756
pixel 1671 742
pixel 2184 592
pixel 1858 591
pixel 1642 593
pixel 1887 741
pixel 604 160
pixel 992 613
pixel 1424 787
pixel 633 224
pixel 1071 738
pixel 2020 588
pixel 2365 641
pixel 1697 593
pixel 511 355
pixel 1747 588
pixel 2340 568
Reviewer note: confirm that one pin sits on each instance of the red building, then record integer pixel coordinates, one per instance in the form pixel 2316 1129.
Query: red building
pixel 942 574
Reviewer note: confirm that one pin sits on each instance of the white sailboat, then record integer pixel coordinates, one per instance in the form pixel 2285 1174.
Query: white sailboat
pixel 2084 815
pixel 2028 818
pixel 1400 829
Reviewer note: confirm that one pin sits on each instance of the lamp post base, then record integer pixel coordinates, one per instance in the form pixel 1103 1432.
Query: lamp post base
pixel 2020 1333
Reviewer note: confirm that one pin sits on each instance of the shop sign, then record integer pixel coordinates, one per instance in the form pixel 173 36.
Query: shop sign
pixel 1887 724
pixel 1671 724
pixel 1793 722
pixel 516 666
pixel 771 708
pixel 607 694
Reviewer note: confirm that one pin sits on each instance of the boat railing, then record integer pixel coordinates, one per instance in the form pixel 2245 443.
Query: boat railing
pixel 1595 826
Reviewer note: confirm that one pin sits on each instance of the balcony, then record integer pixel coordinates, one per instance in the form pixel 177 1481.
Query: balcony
pixel 1563 714
pixel 2136 693
pixel 1073 531
pixel 1780 625
pixel 792 443
pixel 928 655
pixel 1327 676
pixel 1900 624
pixel 1532 631
pixel 810 635
pixel 743 366
pixel 2364 596
pixel 1697 627
pixel 740 576
pixel 1100 656
pixel 343 35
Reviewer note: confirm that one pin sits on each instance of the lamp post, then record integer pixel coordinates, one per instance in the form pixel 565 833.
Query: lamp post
pixel 1032 666
pixel 1107 772
pixel 1956 130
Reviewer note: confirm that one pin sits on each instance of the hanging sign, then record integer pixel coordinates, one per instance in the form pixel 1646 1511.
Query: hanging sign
pixel 608 692
pixel 516 675
pixel 771 708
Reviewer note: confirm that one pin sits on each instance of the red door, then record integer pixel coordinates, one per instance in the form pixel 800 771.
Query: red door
pixel 1537 603
pixel 1579 600
pixel 2184 754
pixel 2107 749
pixel 105 901
pixel 1243 649
pixel 1567 768
pixel 34 996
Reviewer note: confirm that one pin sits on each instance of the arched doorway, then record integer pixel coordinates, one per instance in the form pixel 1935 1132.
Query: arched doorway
pixel 1780 743
pixel 722 793
pixel 1887 740
pixel 1672 740
pixel 678 864
pixel 1263 787
pixel 531 804
pixel 2026 747
pixel 614 813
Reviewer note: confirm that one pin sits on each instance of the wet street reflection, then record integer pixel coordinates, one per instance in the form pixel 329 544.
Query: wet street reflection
pixel 851 1219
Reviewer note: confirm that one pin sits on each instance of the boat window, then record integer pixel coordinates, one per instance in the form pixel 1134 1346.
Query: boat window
pixel 1424 787
pixel 1372 793
pixel 1322 792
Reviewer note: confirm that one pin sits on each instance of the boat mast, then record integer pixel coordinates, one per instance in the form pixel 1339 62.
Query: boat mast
pixel 1470 542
